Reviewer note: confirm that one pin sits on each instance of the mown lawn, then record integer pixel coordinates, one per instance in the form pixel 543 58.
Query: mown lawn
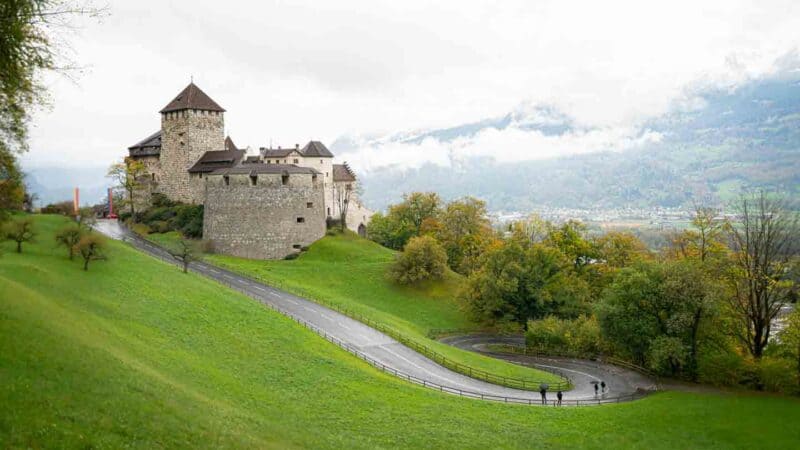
pixel 349 271
pixel 136 354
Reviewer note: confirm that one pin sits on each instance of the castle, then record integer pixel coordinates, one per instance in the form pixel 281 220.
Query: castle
pixel 263 206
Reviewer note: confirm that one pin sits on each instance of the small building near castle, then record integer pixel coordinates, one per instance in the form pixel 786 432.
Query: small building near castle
pixel 265 206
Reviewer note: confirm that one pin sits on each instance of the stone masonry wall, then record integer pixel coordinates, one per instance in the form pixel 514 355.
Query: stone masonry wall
pixel 185 137
pixel 261 221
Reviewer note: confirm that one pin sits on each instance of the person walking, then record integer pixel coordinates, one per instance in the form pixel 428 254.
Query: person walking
pixel 543 393
pixel 559 395
pixel 595 389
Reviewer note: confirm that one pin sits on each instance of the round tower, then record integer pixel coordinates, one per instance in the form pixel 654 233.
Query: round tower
pixel 191 125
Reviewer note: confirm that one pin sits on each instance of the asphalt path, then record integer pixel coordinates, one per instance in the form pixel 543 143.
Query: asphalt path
pixel 585 374
pixel 380 349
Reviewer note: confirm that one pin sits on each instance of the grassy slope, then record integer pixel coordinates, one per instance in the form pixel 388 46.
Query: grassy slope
pixel 349 271
pixel 136 354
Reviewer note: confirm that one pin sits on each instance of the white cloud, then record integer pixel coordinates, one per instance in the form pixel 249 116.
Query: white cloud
pixel 292 71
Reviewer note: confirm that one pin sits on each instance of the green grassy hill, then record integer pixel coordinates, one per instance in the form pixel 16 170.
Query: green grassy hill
pixel 348 271
pixel 136 354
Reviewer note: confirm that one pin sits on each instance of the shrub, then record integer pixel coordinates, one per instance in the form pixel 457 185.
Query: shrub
pixel 721 368
pixel 575 336
pixel 291 256
pixel 423 259
pixel 160 226
pixel 778 375
pixel 64 208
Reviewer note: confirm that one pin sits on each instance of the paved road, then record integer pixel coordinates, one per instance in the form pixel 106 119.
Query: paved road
pixel 583 373
pixel 354 334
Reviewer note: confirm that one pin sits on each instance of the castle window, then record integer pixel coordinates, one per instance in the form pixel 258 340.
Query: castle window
pixel 201 174
pixel 284 179
pixel 309 205
pixel 314 177
pixel 297 246
pixel 153 176
pixel 296 161
pixel 326 174
pixel 301 220
pixel 269 161
pixel 253 180
pixel 227 180
pixel 320 161
pixel 329 210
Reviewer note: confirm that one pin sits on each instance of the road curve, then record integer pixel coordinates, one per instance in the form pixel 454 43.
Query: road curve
pixel 373 344
pixel 583 373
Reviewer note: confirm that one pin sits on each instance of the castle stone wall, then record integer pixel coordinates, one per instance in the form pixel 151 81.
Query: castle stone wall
pixel 261 221
pixel 185 137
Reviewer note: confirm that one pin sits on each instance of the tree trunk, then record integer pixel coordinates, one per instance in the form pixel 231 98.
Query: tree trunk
pixel 693 353
pixel 185 266
pixel 19 246
pixel 86 264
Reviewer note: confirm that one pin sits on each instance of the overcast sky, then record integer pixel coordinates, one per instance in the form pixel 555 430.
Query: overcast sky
pixel 292 71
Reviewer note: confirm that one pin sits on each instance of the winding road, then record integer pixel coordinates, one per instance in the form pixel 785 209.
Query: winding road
pixel 394 357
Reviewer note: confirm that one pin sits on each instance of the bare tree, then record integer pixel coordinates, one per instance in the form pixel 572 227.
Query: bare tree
pixel 341 196
pixel 764 239
pixel 186 252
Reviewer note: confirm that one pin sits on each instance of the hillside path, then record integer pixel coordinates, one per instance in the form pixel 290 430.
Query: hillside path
pixel 375 345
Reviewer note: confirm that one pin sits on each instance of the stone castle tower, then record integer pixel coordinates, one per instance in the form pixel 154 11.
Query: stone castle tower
pixel 191 125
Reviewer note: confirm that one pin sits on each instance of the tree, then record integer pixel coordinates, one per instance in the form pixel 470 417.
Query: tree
pixel 465 232
pixel 618 249
pixel 68 237
pixel 655 313
pixel 87 218
pixel 27 51
pixel 417 208
pixel 519 281
pixel 417 214
pixel 704 240
pixel 186 252
pixel 790 337
pixel 91 247
pixel 764 241
pixel 341 196
pixel 570 239
pixel 422 259
pixel 127 175
pixel 20 230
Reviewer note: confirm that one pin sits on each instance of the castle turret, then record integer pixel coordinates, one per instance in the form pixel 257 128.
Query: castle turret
pixel 191 125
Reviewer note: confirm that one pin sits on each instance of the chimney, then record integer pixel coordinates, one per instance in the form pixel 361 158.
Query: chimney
pixel 296 146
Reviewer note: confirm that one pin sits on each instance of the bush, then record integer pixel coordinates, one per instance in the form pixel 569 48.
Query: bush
pixel 423 259
pixel 778 375
pixel 292 256
pixel 64 208
pixel 574 336
pixel 722 368
pixel 160 226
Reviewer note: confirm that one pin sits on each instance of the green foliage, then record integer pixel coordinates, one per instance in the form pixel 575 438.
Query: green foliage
pixel 778 375
pixel 64 208
pixel 20 230
pixel 579 336
pixel 653 313
pixel 519 281
pixel 423 259
pixel 68 237
pixel 91 247
pixel 465 232
pixel 165 216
